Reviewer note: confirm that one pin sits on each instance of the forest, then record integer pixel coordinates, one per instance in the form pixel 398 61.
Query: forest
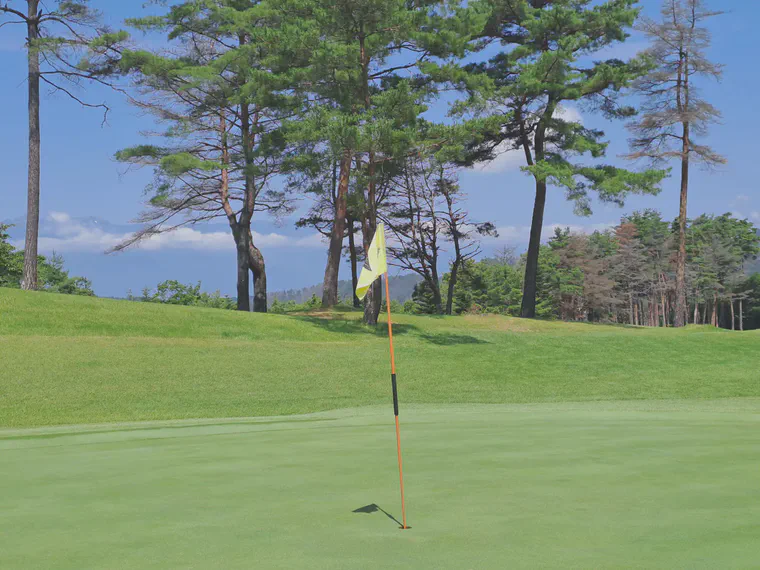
pixel 624 275
pixel 259 103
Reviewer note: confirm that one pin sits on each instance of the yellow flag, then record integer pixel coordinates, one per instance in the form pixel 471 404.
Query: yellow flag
pixel 376 263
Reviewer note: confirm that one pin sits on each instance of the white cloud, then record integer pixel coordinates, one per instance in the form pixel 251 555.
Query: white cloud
pixel 511 160
pixel 505 161
pixel 65 233
pixel 570 114
pixel 188 238
pixel 742 198
pixel 314 240
pixel 59 217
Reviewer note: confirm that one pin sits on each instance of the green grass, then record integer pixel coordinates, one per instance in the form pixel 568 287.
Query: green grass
pixel 72 360
pixel 603 446
pixel 592 485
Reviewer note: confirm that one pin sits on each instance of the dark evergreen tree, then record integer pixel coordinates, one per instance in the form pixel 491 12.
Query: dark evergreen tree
pixel 522 89
pixel 224 97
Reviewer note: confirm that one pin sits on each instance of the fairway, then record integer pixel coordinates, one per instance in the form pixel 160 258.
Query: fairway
pixel 624 485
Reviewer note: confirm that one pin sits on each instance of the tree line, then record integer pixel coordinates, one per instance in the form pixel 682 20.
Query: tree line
pixel 626 274
pixel 259 102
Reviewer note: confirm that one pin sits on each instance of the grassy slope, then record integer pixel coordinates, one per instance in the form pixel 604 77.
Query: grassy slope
pixel 69 360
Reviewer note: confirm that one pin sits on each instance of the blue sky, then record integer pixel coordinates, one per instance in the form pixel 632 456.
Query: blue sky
pixel 88 199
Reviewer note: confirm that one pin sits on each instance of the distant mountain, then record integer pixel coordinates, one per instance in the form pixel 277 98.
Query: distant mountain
pixel 401 290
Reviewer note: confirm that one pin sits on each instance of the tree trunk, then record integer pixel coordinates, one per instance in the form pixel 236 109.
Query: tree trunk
pixel 335 251
pixel 681 258
pixel 656 313
pixel 373 303
pixel 682 103
pixel 243 275
pixel 630 308
pixel 29 279
pixel 528 308
pixel 714 319
pixel 243 237
pixel 435 285
pixel 696 311
pixel 733 315
pixel 258 268
pixel 452 284
pixel 741 314
pixel 352 253
pixel 437 298
pixel 454 227
pixel 238 233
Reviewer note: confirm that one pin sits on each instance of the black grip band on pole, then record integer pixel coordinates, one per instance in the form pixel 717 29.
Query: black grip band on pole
pixel 395 395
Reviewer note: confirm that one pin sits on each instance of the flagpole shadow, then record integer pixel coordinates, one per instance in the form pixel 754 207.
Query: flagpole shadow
pixel 373 508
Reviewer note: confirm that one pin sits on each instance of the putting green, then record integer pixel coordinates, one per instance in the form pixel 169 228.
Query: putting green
pixel 649 484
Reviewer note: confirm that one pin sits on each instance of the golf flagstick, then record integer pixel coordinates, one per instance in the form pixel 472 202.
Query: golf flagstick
pixel 395 400
pixel 376 267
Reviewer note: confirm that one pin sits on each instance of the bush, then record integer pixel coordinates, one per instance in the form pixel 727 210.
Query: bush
pixel 172 292
pixel 292 307
pixel 74 286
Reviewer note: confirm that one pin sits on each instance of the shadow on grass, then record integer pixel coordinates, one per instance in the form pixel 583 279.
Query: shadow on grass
pixel 354 326
pixel 448 339
pixel 373 508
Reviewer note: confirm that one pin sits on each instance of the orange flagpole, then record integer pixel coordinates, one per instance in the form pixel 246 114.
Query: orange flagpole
pixel 395 400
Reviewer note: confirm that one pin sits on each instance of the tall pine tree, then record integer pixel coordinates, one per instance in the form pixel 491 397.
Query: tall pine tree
pixel 518 96
pixel 364 100
pixel 673 111
pixel 66 46
pixel 224 97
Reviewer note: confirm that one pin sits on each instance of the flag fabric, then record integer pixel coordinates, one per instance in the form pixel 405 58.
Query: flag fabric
pixel 376 264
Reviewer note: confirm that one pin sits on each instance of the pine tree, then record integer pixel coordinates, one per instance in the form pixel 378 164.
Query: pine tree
pixel 628 263
pixel 66 47
pixel 364 100
pixel 518 97
pixel 672 109
pixel 224 98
